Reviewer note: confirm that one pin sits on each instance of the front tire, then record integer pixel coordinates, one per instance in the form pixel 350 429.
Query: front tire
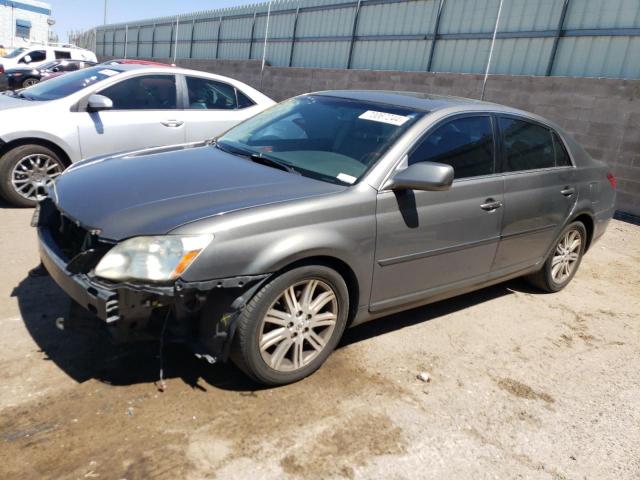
pixel 563 262
pixel 291 325
pixel 26 171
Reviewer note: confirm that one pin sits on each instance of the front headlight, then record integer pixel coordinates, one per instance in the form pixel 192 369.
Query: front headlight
pixel 153 259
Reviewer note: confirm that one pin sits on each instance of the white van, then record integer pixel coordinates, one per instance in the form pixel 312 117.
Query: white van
pixel 36 55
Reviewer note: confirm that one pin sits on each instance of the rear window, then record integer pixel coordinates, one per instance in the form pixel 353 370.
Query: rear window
pixel 562 157
pixel 527 146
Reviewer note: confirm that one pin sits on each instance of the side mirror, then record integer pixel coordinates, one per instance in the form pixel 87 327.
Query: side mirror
pixel 422 176
pixel 99 102
pixel 27 59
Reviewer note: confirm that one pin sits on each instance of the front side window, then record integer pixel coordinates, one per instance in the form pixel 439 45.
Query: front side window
pixel 328 138
pixel 207 94
pixel 147 92
pixel 36 56
pixel 465 143
pixel 527 146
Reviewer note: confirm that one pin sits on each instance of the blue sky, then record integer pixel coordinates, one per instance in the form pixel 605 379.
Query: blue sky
pixel 76 15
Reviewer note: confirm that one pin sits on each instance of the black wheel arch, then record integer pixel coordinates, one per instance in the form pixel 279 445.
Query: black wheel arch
pixel 6 147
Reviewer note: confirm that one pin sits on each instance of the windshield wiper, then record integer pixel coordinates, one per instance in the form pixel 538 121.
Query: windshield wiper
pixel 272 162
pixel 256 157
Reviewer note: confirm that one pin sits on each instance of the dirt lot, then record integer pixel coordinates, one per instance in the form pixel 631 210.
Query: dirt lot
pixel 522 385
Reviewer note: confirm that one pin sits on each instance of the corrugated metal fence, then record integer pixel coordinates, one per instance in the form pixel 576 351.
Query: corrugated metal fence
pixel 593 38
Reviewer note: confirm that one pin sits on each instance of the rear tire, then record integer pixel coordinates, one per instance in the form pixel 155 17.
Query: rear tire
pixel 563 261
pixel 291 325
pixel 29 82
pixel 24 173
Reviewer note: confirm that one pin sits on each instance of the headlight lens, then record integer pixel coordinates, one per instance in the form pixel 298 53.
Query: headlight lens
pixel 155 259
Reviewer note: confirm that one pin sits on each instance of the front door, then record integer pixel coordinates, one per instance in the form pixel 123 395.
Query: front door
pixel 431 242
pixel 144 115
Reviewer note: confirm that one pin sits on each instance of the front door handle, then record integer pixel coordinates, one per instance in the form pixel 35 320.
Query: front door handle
pixel 568 191
pixel 172 123
pixel 490 205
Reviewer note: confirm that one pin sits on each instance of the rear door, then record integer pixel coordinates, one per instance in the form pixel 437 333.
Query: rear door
pixel 431 242
pixel 212 107
pixel 540 192
pixel 145 114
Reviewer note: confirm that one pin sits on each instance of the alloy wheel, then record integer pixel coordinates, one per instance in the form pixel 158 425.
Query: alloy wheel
pixel 32 174
pixel 566 256
pixel 298 325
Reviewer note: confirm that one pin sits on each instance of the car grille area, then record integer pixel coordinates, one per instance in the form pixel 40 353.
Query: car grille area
pixel 81 248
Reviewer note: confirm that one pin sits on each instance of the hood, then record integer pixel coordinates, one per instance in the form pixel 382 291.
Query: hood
pixel 154 192
pixel 9 102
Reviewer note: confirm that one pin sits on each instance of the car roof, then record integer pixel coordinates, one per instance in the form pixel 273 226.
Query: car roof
pixel 417 100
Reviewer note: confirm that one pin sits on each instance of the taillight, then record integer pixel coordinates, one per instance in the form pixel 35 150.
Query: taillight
pixel 1 68
pixel 612 180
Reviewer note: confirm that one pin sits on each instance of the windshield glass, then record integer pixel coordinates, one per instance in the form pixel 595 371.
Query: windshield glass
pixel 67 84
pixel 14 53
pixel 328 138
pixel 48 65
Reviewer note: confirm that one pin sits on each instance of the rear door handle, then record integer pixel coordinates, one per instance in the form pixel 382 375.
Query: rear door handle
pixel 172 123
pixel 568 191
pixel 490 205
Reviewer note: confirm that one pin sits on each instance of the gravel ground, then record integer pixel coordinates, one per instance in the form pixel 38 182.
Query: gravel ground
pixel 515 384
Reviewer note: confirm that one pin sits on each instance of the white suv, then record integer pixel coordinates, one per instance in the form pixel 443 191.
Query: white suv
pixel 108 109
pixel 36 55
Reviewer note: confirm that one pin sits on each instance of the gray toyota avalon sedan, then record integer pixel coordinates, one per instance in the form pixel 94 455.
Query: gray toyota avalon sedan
pixel 325 211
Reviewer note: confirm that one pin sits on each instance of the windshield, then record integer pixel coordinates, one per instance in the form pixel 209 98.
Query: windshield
pixel 328 138
pixel 67 84
pixel 48 65
pixel 15 53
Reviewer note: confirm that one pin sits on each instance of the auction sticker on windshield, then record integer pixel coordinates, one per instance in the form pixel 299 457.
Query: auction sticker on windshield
pixel 384 117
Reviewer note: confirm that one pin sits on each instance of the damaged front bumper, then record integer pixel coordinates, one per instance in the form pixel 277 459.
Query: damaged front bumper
pixel 202 314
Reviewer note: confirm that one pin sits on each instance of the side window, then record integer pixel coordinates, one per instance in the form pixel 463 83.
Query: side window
pixel 562 157
pixel 60 55
pixel 243 100
pixel 465 143
pixel 148 92
pixel 207 94
pixel 527 146
pixel 36 56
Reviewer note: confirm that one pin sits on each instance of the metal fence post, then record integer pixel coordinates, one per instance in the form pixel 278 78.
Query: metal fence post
pixel 556 40
pixel 218 36
pixel 138 41
pixel 253 26
pixel 193 30
pixel 436 31
pixel 113 43
pixel 293 37
pixel 126 39
pixel 153 40
pixel 175 44
pixel 353 34
pixel 266 36
pixel 493 42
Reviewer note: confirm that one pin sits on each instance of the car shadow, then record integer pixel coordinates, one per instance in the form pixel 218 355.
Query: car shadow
pixel 87 352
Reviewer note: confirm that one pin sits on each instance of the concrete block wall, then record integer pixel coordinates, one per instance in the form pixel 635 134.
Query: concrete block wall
pixel 603 115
